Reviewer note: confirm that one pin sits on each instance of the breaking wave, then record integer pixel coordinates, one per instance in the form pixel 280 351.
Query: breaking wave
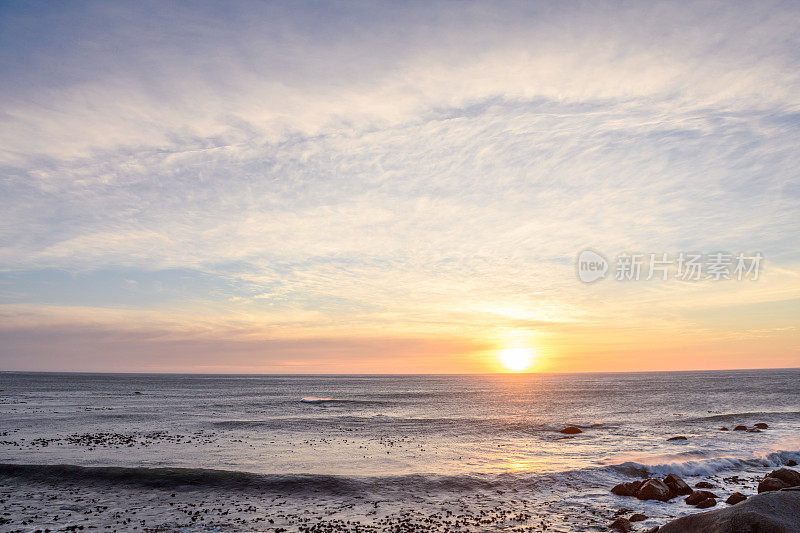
pixel 693 464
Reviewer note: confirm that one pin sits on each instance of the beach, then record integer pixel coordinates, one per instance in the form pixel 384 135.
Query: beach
pixel 388 453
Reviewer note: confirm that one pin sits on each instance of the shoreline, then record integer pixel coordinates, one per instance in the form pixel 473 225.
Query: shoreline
pixel 109 498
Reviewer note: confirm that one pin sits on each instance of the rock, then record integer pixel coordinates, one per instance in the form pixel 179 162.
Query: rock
pixel 621 524
pixel 627 489
pixel 652 530
pixel 774 512
pixel 677 485
pixel 787 475
pixel 654 489
pixel 708 502
pixel 679 437
pixel 704 485
pixel 754 430
pixel 761 425
pixel 638 517
pixel 698 496
pixel 723 428
pixel 769 484
pixel 740 428
pixel 570 430
pixel 791 462
pixel 735 498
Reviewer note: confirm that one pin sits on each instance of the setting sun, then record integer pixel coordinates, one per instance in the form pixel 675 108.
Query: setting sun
pixel 516 359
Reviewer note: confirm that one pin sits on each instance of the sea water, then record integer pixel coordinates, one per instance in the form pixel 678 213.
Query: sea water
pixel 338 450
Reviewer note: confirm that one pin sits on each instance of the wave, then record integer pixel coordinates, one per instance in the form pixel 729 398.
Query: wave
pixel 415 425
pixel 702 464
pixel 297 484
pixel 321 401
pixel 744 418
pixel 193 478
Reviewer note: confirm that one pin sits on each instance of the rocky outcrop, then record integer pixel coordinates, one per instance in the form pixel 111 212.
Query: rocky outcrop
pixel 698 496
pixel 736 497
pixel 627 489
pixel 771 484
pixel 654 489
pixel 621 524
pixel 776 512
pixel 571 430
pixel 708 502
pixel 677 485
pixel 781 478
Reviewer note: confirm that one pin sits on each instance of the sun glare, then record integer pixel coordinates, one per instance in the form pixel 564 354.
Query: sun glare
pixel 516 359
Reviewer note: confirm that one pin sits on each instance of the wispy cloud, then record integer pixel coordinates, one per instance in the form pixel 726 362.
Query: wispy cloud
pixel 408 169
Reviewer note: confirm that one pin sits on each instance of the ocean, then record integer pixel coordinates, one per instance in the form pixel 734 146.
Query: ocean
pixel 378 453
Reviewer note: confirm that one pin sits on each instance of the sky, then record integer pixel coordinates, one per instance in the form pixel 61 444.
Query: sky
pixel 404 187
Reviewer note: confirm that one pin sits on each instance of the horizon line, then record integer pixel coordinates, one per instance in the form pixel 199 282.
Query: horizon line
pixel 373 374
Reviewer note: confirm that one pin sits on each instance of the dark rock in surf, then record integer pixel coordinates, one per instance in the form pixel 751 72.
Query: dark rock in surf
pixel 698 496
pixel 621 524
pixel 680 437
pixel 787 475
pixel 571 430
pixel 708 502
pixel 791 462
pixel 638 517
pixel 704 485
pixel 761 425
pixel 627 489
pixel 723 428
pixel 736 497
pixel 677 486
pixel 770 484
pixel 654 489
pixel 740 428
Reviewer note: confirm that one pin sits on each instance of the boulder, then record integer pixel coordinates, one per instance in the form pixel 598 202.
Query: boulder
pixel 571 430
pixel 679 437
pixel 708 502
pixel 774 512
pixel 638 517
pixel 736 497
pixel 770 484
pixel 791 462
pixel 654 489
pixel 621 524
pixel 627 489
pixel 677 485
pixel 698 496
pixel 787 475
pixel 704 485
pixel 761 425
pixel 740 428
pixel 754 430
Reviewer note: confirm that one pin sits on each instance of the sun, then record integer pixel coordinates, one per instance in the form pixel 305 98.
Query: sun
pixel 516 359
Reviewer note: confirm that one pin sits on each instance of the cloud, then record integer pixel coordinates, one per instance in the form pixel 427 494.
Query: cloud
pixel 424 168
